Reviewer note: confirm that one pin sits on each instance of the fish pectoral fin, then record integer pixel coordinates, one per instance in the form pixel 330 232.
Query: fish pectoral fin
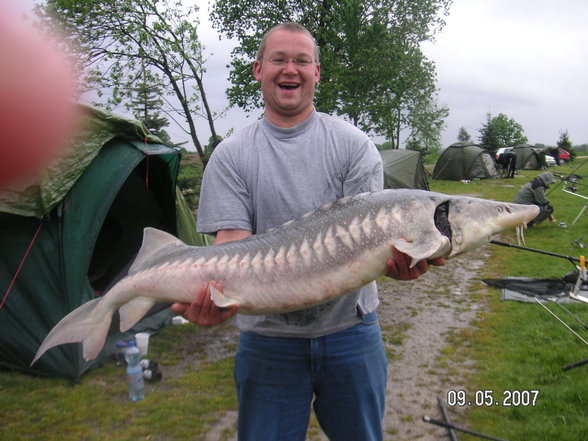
pixel 420 249
pixel 220 299
pixel 133 311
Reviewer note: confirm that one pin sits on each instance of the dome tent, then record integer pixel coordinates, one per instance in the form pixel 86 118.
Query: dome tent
pixel 529 157
pixel 74 233
pixel 464 160
pixel 404 169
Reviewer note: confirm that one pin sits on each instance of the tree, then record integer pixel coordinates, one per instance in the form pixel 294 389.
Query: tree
pixel 125 39
pixel 501 131
pixel 564 140
pixel 463 135
pixel 565 143
pixel 373 70
pixel 146 104
pixel 426 126
pixel 404 99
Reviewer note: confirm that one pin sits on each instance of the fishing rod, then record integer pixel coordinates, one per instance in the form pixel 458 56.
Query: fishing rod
pixel 566 178
pixel 574 365
pixel 447 418
pixel 561 321
pixel 534 250
pixel 573 294
pixel 574 316
pixel 460 429
pixel 582 278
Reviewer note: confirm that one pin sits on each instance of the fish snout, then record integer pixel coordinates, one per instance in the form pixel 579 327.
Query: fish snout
pixel 519 214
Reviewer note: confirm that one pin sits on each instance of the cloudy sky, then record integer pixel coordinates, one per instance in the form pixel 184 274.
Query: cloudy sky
pixel 524 58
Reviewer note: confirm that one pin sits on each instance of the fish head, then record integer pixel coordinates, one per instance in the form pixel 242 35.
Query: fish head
pixel 470 222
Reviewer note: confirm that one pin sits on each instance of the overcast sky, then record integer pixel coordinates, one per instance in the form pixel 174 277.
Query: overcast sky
pixel 524 58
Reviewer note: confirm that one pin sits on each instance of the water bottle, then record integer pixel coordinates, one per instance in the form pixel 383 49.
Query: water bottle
pixel 134 373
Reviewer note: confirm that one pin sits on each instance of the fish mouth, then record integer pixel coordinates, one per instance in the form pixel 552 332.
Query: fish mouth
pixel 441 219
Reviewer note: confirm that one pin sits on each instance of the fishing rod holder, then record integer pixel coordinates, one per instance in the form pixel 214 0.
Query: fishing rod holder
pixel 580 281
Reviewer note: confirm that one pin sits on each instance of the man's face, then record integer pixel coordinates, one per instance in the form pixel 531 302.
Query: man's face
pixel 287 85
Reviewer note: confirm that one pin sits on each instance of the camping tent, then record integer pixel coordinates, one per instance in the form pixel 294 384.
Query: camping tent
pixel 68 236
pixel 464 160
pixel 529 157
pixel 404 169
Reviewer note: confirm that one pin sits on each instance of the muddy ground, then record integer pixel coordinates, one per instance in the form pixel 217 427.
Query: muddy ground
pixel 418 320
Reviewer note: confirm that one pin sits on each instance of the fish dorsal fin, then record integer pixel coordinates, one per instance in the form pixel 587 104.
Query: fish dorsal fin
pixel 154 241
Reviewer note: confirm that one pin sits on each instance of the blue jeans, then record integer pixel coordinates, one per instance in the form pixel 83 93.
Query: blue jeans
pixel 343 375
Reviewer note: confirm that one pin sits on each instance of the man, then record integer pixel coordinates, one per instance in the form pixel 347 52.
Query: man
pixel 279 168
pixel 508 162
pixel 533 193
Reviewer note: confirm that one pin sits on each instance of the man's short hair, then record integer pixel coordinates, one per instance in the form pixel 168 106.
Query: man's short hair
pixel 292 27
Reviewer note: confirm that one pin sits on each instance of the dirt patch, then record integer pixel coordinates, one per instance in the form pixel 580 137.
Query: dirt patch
pixel 417 320
pixel 427 312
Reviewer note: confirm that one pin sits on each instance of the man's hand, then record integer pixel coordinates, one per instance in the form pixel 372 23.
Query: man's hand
pixel 399 266
pixel 202 310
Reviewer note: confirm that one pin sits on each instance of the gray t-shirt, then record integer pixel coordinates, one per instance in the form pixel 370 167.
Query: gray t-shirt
pixel 263 176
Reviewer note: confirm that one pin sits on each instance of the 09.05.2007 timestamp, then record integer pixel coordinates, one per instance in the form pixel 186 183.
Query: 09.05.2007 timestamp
pixel 488 397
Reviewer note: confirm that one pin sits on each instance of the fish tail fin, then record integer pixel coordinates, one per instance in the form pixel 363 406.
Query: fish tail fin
pixel 88 324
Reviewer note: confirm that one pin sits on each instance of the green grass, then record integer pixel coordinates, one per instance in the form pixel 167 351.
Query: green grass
pixel 519 346
pixel 181 407
pixel 515 347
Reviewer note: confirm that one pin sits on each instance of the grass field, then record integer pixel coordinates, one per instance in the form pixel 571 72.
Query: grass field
pixel 518 348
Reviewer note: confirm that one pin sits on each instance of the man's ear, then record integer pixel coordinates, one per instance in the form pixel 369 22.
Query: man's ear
pixel 257 70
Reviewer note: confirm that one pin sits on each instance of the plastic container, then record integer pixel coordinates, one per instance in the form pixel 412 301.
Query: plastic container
pixel 134 373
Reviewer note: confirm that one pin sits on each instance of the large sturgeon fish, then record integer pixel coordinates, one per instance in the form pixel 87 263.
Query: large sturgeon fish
pixel 305 262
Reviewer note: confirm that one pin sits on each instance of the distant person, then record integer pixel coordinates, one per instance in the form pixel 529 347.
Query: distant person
pixel 554 151
pixel 508 161
pixel 533 193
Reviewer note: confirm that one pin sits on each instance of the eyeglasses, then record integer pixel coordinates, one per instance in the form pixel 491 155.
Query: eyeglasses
pixel 282 61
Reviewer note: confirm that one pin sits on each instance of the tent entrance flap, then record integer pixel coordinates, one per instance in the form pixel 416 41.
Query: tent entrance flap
pixel 135 207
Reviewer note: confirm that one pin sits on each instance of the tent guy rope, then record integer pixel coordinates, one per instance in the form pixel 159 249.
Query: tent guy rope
pixel 22 263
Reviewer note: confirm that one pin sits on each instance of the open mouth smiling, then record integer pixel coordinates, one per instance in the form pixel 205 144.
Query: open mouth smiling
pixel 288 86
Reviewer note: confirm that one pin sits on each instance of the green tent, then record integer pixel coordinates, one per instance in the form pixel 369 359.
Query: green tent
pixel 68 236
pixel 404 169
pixel 529 157
pixel 465 161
